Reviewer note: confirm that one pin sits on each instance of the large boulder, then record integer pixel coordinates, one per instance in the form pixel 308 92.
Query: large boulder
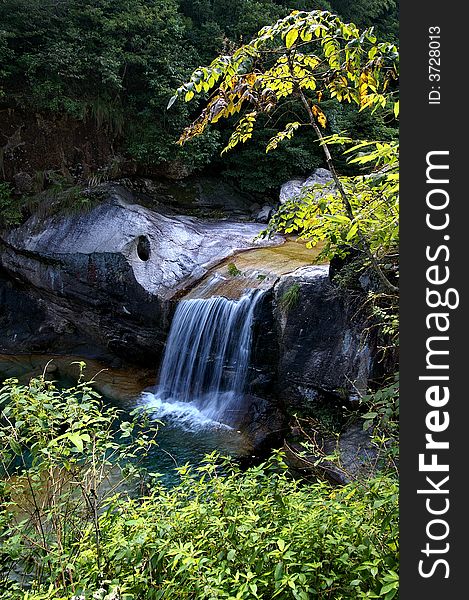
pixel 291 189
pixel 298 188
pixel 107 278
pixel 322 345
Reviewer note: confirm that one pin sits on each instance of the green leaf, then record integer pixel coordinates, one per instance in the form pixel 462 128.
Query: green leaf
pixel 15 447
pixel 337 218
pixel 278 573
pixel 352 232
pixel 291 37
pixel 76 440
pixel 389 587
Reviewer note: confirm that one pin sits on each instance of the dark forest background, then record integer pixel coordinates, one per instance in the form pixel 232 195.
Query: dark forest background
pixel 84 87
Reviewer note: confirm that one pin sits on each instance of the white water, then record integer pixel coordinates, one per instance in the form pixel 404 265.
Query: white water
pixel 203 374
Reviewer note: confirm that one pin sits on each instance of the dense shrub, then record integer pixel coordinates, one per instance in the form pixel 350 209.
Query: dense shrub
pixel 256 534
pixel 68 531
pixel 10 207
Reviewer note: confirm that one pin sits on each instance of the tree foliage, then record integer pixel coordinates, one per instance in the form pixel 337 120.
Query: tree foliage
pixel 117 63
pixel 318 215
pixel 295 65
pixel 383 14
pixel 305 56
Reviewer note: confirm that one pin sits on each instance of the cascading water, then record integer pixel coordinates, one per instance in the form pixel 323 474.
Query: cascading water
pixel 203 374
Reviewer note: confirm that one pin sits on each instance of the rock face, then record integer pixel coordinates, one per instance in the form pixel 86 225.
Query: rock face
pixel 106 279
pixel 104 284
pixel 32 142
pixel 321 344
pixel 297 188
pixel 263 423
pixel 354 447
pixel 265 214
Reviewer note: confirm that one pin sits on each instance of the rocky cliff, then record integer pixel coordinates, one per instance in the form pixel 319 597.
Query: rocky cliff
pixel 322 345
pixel 105 283
pixel 105 280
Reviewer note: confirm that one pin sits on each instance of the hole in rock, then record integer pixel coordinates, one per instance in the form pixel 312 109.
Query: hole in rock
pixel 143 248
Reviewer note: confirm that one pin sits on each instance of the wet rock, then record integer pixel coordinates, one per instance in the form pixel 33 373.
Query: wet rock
pixel 357 453
pixel 291 190
pixel 263 423
pixel 322 345
pixel 106 279
pixel 265 214
pixel 164 253
pixel 319 177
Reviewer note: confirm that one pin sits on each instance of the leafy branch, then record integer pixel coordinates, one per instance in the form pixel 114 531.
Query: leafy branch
pixel 308 57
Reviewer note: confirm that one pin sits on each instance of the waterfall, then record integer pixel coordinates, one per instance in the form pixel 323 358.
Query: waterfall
pixel 207 355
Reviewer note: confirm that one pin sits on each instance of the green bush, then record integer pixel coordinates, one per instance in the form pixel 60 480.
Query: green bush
pixel 233 270
pixel 62 455
pixel 382 419
pixel 257 534
pixel 70 529
pixel 10 208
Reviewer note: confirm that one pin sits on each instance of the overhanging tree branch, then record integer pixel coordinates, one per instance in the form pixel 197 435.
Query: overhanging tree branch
pixel 345 200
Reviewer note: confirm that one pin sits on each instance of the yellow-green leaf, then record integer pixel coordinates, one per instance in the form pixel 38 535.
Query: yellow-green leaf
pixel 320 116
pixel 76 440
pixel 352 232
pixel 291 37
